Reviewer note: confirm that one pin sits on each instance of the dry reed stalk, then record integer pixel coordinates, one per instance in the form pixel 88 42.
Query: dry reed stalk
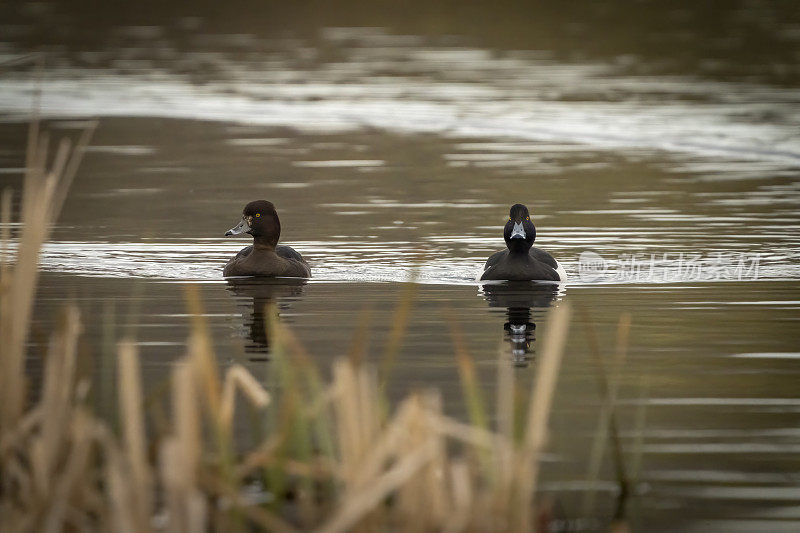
pixel 131 408
pixel 360 343
pixel 357 425
pixel 202 354
pixel 368 417
pixel 424 501
pixel 181 452
pixel 52 444
pixel 367 498
pixel 66 489
pixel 238 378
pixel 320 394
pixel 503 453
pixel 462 497
pixel 636 457
pixel 224 504
pixel 49 461
pixel 315 470
pixel 470 435
pixel 263 519
pixel 365 444
pixel 381 451
pixel 43 194
pixel 466 370
pixel 219 396
pixel 186 505
pixel 317 408
pixel 539 409
pixel 607 425
pixel 488 459
pixel 56 401
pixel 640 426
pixel 623 340
pixel 400 321
pixel 208 393
pixel 505 393
pixel 122 517
pixel 264 455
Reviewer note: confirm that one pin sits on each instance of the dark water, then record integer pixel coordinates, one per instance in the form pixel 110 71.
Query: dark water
pixel 661 139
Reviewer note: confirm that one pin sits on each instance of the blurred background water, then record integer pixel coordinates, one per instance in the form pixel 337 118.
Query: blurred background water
pixel 393 138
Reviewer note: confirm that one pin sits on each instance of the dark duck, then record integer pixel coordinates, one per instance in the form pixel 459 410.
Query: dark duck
pixel 521 261
pixel 264 257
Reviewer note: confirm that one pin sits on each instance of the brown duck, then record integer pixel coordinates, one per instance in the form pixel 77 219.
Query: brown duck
pixel 264 257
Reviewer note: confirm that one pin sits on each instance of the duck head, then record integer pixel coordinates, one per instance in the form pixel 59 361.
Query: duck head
pixel 260 220
pixel 519 232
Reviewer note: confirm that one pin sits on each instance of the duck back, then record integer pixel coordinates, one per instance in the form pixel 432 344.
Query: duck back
pixel 283 262
pixel 536 265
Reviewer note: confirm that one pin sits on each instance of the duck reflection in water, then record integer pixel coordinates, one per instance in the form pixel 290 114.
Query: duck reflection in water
pixel 253 296
pixel 524 301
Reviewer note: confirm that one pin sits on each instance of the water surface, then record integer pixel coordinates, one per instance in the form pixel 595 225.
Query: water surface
pixel 392 152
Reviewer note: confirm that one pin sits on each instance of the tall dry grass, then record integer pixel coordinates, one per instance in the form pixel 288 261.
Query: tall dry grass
pixel 326 456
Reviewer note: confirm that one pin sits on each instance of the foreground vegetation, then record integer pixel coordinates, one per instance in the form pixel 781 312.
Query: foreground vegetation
pixel 329 456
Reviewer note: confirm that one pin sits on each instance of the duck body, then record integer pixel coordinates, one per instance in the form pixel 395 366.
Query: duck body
pixel 264 257
pixel 520 261
pixel 283 261
pixel 536 265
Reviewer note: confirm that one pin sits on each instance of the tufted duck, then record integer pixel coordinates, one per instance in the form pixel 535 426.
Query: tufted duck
pixel 264 257
pixel 521 261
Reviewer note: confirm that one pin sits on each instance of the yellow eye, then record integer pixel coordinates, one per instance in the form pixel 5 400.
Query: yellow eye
pixel 525 219
pixel 258 214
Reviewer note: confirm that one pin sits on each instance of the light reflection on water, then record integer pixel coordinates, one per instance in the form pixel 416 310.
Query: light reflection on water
pixel 454 91
pixel 363 263
pixel 643 257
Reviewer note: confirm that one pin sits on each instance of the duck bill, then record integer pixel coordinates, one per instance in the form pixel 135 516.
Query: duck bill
pixel 242 227
pixel 518 232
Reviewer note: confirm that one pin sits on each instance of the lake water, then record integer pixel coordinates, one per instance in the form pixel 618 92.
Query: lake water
pixel 661 165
